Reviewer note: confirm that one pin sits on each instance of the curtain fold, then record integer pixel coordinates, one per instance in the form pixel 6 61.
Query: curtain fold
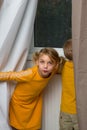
pixel 16 29
pixel 79 26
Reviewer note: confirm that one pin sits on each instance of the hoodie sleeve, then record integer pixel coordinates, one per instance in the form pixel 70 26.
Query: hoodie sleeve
pixel 21 76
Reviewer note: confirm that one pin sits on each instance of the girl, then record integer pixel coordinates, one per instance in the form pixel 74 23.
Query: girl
pixel 26 102
pixel 68 113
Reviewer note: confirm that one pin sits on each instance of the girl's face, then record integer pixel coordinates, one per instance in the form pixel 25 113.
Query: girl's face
pixel 45 65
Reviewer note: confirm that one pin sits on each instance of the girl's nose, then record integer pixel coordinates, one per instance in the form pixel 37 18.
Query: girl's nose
pixel 45 65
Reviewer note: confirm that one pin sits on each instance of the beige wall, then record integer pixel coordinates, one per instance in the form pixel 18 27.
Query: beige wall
pixel 1 1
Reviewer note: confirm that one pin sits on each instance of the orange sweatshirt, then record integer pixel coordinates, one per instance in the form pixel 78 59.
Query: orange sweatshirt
pixel 26 102
pixel 68 100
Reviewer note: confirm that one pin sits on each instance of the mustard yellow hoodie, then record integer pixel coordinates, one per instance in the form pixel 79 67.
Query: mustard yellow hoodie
pixel 68 100
pixel 26 102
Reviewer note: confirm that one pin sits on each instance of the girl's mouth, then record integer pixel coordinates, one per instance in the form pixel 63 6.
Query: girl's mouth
pixel 45 71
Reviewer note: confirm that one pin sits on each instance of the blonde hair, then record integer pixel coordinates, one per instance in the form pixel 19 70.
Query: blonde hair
pixel 52 53
pixel 67 48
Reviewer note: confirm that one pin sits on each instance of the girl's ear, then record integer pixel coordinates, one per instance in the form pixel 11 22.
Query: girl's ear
pixel 36 62
pixel 56 67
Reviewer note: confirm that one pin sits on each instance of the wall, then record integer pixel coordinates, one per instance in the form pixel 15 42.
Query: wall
pixel 51 106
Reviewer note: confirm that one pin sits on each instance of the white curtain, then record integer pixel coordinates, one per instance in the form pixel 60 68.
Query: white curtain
pixel 16 29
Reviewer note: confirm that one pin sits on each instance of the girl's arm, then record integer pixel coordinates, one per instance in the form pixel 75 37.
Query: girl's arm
pixel 21 76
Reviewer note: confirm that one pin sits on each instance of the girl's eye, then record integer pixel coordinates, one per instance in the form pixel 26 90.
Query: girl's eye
pixel 41 61
pixel 50 63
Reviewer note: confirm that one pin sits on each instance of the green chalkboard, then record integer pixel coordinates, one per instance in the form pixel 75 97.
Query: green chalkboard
pixel 53 23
